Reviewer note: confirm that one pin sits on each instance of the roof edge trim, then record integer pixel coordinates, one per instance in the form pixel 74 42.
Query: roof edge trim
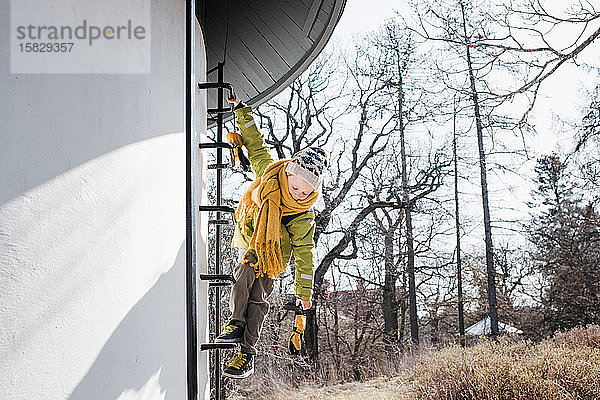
pixel 305 62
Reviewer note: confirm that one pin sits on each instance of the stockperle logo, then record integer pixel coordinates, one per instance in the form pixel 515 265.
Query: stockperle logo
pixel 80 36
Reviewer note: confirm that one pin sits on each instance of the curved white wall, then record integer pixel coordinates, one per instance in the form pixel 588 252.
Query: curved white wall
pixel 92 226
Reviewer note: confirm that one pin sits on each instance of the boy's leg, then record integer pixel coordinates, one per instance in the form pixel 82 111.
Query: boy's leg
pixel 240 291
pixel 256 312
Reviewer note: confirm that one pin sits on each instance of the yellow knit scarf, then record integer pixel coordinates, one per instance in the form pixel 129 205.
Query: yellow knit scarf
pixel 267 200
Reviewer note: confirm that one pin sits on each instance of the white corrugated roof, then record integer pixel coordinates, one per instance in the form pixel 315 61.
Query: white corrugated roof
pixel 483 327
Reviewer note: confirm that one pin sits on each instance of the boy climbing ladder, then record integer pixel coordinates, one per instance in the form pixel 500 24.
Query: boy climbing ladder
pixel 274 218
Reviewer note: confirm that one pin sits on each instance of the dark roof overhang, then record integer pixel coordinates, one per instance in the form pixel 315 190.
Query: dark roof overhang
pixel 269 43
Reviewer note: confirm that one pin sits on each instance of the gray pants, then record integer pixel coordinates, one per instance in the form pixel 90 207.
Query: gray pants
pixel 248 302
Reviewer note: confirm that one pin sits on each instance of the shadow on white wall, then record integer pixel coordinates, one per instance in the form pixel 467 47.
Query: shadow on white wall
pixel 152 332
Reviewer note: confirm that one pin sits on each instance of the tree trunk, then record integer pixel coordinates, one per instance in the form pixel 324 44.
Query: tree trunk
pixel 489 251
pixel 412 290
pixel 390 312
pixel 311 334
pixel 461 315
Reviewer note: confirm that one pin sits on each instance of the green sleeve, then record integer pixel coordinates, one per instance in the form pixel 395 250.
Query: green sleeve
pixel 301 232
pixel 258 154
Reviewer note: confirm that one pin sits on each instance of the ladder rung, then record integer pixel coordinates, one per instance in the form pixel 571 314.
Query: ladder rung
pixel 218 110
pixel 215 145
pixel 214 346
pixel 217 208
pixel 220 222
pixel 215 85
pixel 216 277
pixel 219 284
pixel 219 166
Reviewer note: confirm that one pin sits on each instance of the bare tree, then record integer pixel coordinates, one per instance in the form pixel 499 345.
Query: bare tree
pixel 384 225
pixel 397 53
pixel 528 38
pixel 528 28
pixel 401 59
pixel 453 26
pixel 461 312
pixel 310 108
pixel 487 224
pixel 368 141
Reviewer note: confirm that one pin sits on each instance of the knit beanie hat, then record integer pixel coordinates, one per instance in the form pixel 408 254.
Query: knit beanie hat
pixel 309 164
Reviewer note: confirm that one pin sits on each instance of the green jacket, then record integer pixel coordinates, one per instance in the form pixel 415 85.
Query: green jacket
pixel 296 230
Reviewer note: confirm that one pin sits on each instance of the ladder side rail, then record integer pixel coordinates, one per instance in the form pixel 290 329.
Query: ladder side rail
pixel 190 91
pixel 217 352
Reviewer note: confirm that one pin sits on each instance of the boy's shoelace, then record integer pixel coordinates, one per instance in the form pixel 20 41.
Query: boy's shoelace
pixel 228 328
pixel 233 360
pixel 239 361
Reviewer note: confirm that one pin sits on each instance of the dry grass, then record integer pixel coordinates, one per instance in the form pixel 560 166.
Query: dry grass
pixel 504 370
pixel 565 367
pixel 375 389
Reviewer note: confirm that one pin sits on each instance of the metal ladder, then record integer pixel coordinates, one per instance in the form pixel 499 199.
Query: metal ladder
pixel 217 279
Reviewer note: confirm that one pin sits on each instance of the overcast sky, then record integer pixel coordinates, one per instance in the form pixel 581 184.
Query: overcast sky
pixel 362 16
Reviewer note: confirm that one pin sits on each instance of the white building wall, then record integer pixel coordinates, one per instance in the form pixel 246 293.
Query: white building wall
pixel 92 226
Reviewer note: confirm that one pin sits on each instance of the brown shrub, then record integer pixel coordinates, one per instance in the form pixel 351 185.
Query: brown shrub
pixel 567 367
pixel 577 337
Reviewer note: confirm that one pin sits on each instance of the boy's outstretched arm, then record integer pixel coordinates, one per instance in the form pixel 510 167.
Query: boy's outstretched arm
pixel 258 153
pixel 301 230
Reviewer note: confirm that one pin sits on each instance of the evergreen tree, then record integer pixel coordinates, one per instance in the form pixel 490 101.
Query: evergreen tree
pixel 566 238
